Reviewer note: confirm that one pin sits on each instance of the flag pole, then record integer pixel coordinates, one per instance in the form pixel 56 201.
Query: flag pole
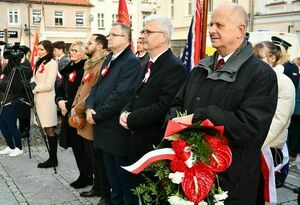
pixel 204 29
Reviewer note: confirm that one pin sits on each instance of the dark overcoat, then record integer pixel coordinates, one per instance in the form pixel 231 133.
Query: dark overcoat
pixel 109 95
pixel 152 102
pixel 242 97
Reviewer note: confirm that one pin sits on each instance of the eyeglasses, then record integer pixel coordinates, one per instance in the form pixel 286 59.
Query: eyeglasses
pixel 115 35
pixel 73 51
pixel 147 32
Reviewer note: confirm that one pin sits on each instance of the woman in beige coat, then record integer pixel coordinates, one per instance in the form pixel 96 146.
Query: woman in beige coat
pixel 44 93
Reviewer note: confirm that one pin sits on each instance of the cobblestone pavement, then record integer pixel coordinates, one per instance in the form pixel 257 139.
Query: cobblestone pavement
pixel 21 182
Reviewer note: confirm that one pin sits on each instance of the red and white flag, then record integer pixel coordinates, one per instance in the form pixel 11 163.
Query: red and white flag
pixel 267 166
pixel 192 50
pixel 123 17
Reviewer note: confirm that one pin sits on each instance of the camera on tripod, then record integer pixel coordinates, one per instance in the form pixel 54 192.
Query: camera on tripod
pixel 13 53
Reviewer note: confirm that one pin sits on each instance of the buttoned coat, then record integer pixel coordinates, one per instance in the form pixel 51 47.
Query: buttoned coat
pixel 83 92
pixel 152 102
pixel 44 93
pixel 110 94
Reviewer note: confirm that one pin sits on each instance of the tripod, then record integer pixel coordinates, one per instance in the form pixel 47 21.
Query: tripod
pixel 18 68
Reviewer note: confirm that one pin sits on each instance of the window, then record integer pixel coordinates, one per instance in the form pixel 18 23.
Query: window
pixel 114 18
pixel 172 9
pixel 210 6
pixel 59 18
pixel 36 17
pixel 13 17
pixel 100 21
pixel 145 14
pixel 79 19
pixel 190 8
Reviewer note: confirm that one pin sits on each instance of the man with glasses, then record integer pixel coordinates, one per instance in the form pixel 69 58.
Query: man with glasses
pixel 96 51
pixel 114 87
pixel 163 76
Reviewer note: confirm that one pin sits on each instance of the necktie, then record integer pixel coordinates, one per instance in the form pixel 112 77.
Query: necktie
pixel 220 64
pixel 148 72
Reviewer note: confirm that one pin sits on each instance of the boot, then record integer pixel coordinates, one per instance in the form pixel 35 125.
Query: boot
pixel 52 161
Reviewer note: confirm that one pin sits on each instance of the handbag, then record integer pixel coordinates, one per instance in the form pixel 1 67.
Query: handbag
pixel 78 125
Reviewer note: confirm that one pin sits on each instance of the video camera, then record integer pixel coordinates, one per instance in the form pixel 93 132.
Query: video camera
pixel 13 53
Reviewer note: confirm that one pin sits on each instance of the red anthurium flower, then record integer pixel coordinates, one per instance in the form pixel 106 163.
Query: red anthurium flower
pixel 88 76
pixel 221 157
pixel 72 76
pixel 197 182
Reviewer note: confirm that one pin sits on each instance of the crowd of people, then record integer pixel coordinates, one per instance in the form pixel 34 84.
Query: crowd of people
pixel 113 104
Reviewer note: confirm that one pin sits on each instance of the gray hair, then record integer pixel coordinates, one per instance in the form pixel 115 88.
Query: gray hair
pixel 125 30
pixel 164 23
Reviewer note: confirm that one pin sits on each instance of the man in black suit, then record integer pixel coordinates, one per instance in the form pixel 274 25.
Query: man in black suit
pixel 113 89
pixel 144 115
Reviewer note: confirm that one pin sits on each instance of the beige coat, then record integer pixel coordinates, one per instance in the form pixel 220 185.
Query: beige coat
pixel 44 94
pixel 82 93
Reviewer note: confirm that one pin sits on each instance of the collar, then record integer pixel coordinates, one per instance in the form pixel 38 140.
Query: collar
pixel 156 57
pixel 225 58
pixel 114 56
pixel 60 57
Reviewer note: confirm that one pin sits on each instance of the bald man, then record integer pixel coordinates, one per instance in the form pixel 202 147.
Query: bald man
pixel 239 93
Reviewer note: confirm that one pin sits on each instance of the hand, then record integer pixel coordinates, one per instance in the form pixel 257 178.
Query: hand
pixel 73 112
pixel 62 106
pixel 28 84
pixel 184 119
pixel 123 119
pixel 89 116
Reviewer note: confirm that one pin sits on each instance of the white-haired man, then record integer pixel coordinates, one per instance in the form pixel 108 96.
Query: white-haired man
pixel 163 76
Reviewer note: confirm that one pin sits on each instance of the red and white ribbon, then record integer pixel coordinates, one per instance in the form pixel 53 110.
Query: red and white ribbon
pixel 152 156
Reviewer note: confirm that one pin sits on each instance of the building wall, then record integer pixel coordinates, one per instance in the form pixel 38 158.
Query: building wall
pixel 23 16
pixel 275 15
pixel 136 9
pixel 68 32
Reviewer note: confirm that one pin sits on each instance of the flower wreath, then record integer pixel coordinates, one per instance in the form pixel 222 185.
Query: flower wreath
pixel 199 152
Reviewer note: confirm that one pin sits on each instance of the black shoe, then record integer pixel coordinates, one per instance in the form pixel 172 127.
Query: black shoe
pixel 279 184
pixel 48 163
pixel 81 182
pixel 90 193
pixel 104 201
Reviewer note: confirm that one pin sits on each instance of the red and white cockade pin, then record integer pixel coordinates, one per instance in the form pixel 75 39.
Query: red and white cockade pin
pixel 72 76
pixel 104 71
pixel 2 76
pixel 41 68
pixel 88 76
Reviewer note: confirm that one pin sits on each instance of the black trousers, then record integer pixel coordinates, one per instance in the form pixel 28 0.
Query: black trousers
pixel 100 177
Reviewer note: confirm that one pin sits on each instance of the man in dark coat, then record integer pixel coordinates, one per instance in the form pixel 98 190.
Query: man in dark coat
pixel 161 79
pixel 240 93
pixel 112 91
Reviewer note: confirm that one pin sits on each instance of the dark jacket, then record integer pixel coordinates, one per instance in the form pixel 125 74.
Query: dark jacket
pixel 152 102
pixel 242 97
pixel 67 91
pixel 109 95
pixel 291 70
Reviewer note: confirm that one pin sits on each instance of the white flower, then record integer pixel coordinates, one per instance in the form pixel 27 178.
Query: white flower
pixel 221 196
pixel 202 203
pixel 176 200
pixel 176 177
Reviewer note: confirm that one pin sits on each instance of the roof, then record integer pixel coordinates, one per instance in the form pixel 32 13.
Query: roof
pixel 64 2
